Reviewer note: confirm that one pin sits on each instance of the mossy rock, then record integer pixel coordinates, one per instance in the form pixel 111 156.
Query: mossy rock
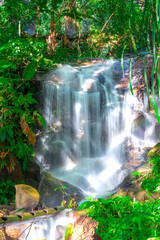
pixel 155 151
pixel 26 196
pixel 52 198
pixel 141 196
pixel 69 231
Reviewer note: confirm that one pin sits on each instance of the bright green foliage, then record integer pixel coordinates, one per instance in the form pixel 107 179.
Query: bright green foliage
pixel 17 116
pixel 72 202
pixel 120 218
pixel 151 182
pixel 69 231
pixel 7 191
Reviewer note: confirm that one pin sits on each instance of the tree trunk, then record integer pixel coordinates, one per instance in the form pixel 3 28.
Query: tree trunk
pixel 71 26
pixel 51 40
pixel 19 28
pixel 85 28
pixel 37 22
pixel 1 2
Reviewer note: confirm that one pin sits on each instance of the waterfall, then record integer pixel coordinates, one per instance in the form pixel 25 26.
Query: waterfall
pixel 89 127
pixel 48 228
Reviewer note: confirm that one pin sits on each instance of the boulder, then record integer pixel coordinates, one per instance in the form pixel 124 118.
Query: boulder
pixel 155 151
pixel 26 197
pixel 52 198
pixel 141 195
pixel 16 175
pixel 139 126
pixel 32 174
pixel 83 228
pixel 131 182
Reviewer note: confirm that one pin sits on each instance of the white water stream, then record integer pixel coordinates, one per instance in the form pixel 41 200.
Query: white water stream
pixel 92 121
pixel 93 135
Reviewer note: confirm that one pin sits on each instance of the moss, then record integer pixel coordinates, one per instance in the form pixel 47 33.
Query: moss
pixel 155 151
pixel 2 237
pixel 69 231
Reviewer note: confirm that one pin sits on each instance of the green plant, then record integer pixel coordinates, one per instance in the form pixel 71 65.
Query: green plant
pixel 120 218
pixel 7 191
pixel 151 182
pixel 72 202
pixel 17 115
pixel 69 231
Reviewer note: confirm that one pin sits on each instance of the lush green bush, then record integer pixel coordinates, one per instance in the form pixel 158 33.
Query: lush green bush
pixel 7 191
pixel 120 218
pixel 151 182
pixel 17 114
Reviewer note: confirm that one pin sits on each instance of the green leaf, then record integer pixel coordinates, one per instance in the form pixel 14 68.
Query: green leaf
pixel 130 75
pixel 86 205
pixel 10 132
pixel 2 48
pixel 4 80
pixel 24 165
pixel 43 122
pixel 29 71
pixel 136 174
pixel 2 134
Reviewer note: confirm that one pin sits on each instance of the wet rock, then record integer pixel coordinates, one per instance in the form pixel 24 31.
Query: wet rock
pixel 60 232
pixel 140 195
pixel 16 175
pixel 155 151
pixel 83 228
pixel 53 156
pixel 156 132
pixel 26 197
pixel 101 79
pixel 53 198
pixel 32 174
pixel 49 157
pixel 139 126
pixel 131 182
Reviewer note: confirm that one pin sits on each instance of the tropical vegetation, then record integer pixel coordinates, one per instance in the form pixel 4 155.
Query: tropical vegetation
pixel 36 35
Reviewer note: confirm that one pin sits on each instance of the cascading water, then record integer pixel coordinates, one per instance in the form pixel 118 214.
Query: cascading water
pixel 52 228
pixel 89 124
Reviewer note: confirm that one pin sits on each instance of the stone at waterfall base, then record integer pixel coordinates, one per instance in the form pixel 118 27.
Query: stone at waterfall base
pixel 82 228
pixel 50 197
pixel 26 197
pixel 141 195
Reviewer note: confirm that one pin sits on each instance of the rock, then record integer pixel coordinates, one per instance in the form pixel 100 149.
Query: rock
pixel 131 182
pixel 26 197
pixel 128 183
pixel 51 157
pixel 139 125
pixel 155 151
pixel 141 196
pixel 144 169
pixel 16 175
pixel 83 228
pixel 32 174
pixel 157 131
pixel 53 198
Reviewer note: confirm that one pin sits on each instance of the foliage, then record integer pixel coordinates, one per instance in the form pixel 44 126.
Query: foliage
pixel 72 202
pixel 17 117
pixel 112 23
pixel 7 191
pixel 69 231
pixel 120 218
pixel 151 182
